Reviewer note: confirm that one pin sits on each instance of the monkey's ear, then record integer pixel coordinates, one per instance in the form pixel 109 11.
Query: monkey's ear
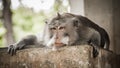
pixel 76 22
pixel 46 21
pixel 58 15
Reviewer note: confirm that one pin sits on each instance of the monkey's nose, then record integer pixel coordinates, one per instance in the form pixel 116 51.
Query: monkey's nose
pixel 56 37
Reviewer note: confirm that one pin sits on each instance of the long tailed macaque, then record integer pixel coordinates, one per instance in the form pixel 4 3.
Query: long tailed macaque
pixel 66 29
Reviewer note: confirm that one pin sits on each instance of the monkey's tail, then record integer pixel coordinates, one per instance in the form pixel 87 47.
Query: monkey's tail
pixel 107 39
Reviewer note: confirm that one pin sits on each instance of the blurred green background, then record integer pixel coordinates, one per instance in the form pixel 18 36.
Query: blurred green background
pixel 27 21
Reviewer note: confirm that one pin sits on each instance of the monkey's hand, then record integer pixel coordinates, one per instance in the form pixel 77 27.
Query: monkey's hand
pixel 95 51
pixel 13 48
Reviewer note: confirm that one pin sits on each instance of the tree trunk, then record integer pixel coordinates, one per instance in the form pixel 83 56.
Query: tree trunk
pixel 7 22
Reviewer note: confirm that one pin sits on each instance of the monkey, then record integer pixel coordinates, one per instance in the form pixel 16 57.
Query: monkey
pixel 87 22
pixel 104 35
pixel 66 29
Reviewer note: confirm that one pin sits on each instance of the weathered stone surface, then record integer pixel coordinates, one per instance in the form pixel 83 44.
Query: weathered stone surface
pixel 65 57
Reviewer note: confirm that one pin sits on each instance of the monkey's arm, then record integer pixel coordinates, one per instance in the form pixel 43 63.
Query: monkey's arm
pixel 23 43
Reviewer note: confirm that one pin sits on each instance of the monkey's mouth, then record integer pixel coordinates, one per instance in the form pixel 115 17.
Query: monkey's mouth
pixel 59 44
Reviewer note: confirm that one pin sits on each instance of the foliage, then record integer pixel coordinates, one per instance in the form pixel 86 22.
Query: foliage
pixel 26 21
pixel 2 32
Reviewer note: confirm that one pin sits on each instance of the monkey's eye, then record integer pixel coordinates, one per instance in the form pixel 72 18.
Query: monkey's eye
pixel 53 28
pixel 61 28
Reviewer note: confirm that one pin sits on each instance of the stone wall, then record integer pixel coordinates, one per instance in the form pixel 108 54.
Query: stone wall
pixel 66 57
pixel 105 13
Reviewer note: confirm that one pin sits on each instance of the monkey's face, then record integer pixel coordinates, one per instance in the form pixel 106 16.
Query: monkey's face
pixel 63 31
pixel 58 35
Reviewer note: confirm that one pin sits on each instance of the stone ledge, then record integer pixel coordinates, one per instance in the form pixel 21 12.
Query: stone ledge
pixel 65 57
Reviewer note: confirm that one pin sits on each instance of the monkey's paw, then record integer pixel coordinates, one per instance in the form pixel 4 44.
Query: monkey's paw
pixel 95 52
pixel 12 50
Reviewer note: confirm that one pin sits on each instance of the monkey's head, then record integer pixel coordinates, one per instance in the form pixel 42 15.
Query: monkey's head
pixel 62 30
